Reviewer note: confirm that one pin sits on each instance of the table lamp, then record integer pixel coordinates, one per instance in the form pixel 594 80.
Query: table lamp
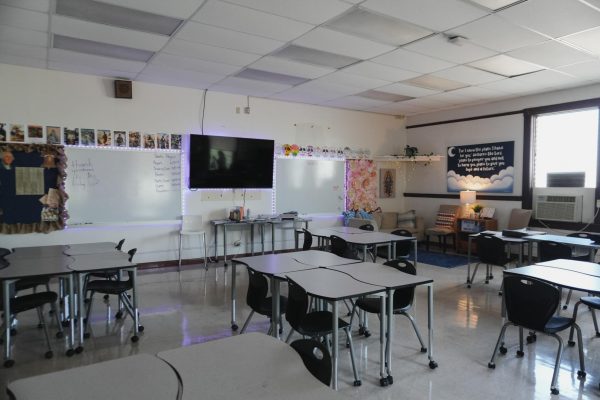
pixel 467 197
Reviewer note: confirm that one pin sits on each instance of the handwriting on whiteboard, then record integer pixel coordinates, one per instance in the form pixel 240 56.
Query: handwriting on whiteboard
pixel 167 172
pixel 83 174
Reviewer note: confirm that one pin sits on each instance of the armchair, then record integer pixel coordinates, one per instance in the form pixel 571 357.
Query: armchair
pixel 445 226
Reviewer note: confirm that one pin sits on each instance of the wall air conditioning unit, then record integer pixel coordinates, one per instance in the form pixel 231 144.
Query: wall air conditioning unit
pixel 558 208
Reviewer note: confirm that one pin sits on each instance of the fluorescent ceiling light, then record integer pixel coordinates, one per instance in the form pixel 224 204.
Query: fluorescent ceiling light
pixel 316 57
pixel 496 4
pixel 506 66
pixel 379 28
pixel 101 49
pixel 435 83
pixel 383 96
pixel 108 14
pixel 265 76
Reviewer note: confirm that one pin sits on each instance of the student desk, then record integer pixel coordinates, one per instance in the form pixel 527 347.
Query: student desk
pixel 584 267
pixel 391 279
pixel 273 264
pixel 568 240
pixel 333 286
pixel 564 278
pixel 141 377
pixel 249 366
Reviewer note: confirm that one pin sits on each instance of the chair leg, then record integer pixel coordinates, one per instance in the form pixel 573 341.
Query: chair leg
pixel 289 336
pixel 473 276
pixel 492 363
pixel 520 352
pixel 566 305
pixel 179 266
pixel 357 381
pixel 40 312
pixel 87 315
pixel 595 321
pixel 414 325
pixel 553 388
pixel 205 252
pixel 54 308
pixel 575 309
pixel 247 322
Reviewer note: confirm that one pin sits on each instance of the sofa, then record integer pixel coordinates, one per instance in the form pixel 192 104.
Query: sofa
pixel 389 221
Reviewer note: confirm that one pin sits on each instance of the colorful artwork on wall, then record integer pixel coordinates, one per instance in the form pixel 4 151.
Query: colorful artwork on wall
pixel 361 185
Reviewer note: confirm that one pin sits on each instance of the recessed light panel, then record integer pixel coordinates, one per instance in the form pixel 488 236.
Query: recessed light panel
pixel 435 83
pixel 266 76
pixel 379 28
pixel 108 14
pixel 383 96
pixel 506 66
pixel 316 57
pixel 496 4
pixel 101 49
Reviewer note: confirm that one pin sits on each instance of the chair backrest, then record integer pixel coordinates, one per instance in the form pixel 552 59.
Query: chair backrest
pixel 446 216
pixel 402 247
pixel 297 304
pixel 4 252
pixel 119 245
pixel 552 250
pixel 316 358
pixel 258 288
pixel 403 298
pixel 586 235
pixel 367 227
pixel 491 250
pixel 340 248
pixel 519 218
pixel 530 303
pixel 131 254
pixel 191 223
pixel 308 240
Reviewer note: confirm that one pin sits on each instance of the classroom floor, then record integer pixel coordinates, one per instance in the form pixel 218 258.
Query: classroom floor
pixel 196 309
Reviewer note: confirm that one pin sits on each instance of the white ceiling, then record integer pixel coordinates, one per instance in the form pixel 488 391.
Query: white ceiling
pixel 460 45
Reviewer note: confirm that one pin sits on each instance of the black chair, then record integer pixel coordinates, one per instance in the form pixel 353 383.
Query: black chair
pixel 548 251
pixel 316 358
pixel 340 248
pixel 29 302
pixel 258 299
pixel 315 324
pixel 403 247
pixel 372 250
pixel 403 299
pixel 4 252
pixel 113 287
pixel 108 274
pixel 531 304
pixel 308 240
pixel 491 251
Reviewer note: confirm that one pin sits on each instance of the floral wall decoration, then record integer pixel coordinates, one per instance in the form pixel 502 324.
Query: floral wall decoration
pixel 361 185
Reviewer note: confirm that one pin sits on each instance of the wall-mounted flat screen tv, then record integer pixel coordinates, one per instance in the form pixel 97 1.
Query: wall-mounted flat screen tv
pixel 220 162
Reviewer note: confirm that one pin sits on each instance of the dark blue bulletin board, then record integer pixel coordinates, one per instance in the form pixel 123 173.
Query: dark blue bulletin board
pixel 32 196
pixel 487 167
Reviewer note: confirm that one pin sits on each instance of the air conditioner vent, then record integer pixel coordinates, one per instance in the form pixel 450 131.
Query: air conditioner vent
pixel 559 208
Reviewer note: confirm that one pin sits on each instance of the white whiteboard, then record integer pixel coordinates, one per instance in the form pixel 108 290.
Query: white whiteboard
pixel 309 186
pixel 122 186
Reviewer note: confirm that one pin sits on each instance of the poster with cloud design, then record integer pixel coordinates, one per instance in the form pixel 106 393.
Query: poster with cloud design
pixel 487 167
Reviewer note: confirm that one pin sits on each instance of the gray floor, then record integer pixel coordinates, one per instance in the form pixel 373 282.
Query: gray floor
pixel 195 309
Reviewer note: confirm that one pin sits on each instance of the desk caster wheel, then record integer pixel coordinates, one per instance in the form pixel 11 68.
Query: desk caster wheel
pixel 433 364
pixel 357 383
pixel 503 350
pixel 571 343
pixel 135 338
pixel 520 353
pixel 367 333
pixel 487 282
pixel 86 335
pixel 531 338
pixel 141 328
pixel 390 380
pixel 423 349
pixel 468 286
pixel 383 382
pixel 70 353
pixel 361 330
pixel 79 349
pixel 491 365
pixel 65 323
pixel 119 315
pixel 581 374
pixel 49 354
pixel 9 363
pixel 60 335
pixel 554 391
pixel 234 327
pixel 564 307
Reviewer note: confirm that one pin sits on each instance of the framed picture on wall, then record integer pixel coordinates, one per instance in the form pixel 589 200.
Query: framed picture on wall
pixel 387 183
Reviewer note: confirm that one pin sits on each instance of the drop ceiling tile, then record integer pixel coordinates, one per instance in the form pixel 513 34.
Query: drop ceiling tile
pixel 33 5
pixel 506 65
pixel 304 96
pixel 451 98
pixel 182 9
pixel 432 14
pixel 6 58
pixel 89 70
pixel 459 53
pixel 328 88
pixel 22 18
pixel 397 109
pixel 588 40
pixel 412 61
pixel 435 83
pixel 165 74
pixel 472 76
pixel 550 54
pixel 250 21
pixel 495 4
pixel 498 34
pixel 553 18
pixel 588 70
pixel 427 102
pixel 179 62
pixel 545 80
pixel 379 71
pixel 351 80
pixel 23 36
pixel 354 103
pixel 474 93
pixel 205 52
pixel 248 87
pixel 281 66
pixel 407 90
pixel 520 86
pixel 173 80
pixel 21 50
pixel 340 43
pixel 310 56
pixel 88 60
pixel 219 37
pixel 313 12
pixel 107 34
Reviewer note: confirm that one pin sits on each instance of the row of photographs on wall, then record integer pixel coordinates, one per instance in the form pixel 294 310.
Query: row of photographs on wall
pixel 19 133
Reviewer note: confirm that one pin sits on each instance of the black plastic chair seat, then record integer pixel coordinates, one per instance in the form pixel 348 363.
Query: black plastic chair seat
pixel 590 301
pixel 30 283
pixel 373 305
pixel 104 274
pixel 266 306
pixel 557 324
pixel 318 322
pixel 109 287
pixel 30 301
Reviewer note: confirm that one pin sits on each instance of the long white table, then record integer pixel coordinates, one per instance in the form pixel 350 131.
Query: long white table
pixel 582 243
pixel 140 377
pixel 249 366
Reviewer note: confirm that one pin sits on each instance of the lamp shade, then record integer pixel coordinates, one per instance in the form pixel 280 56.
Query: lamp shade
pixel 468 196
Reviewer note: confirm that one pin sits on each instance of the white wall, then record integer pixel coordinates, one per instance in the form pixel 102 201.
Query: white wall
pixel 82 101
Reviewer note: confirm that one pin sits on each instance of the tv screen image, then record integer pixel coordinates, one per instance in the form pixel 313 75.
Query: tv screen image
pixel 221 162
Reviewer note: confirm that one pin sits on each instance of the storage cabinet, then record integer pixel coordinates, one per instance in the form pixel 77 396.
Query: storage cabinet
pixel 468 226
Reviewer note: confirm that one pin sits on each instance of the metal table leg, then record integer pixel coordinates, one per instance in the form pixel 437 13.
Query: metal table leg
pixel 334 350
pixel 71 349
pixel 382 343
pixel 251 238
pixel 6 300
pixel 469 260
pixel 216 241
pixel 390 334
pixel 432 363
pixel 275 314
pixel 136 314
pixel 272 238
pixel 262 237
pixel 234 326
pixel 80 298
pixel 416 245
pixel 225 244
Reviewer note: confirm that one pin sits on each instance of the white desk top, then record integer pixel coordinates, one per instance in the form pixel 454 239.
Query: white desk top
pixel 574 241
pixel 344 229
pixel 585 267
pixel 27 267
pixel 249 366
pixel 560 277
pixel 332 285
pixel 137 377
pixel 90 248
pixel 37 252
pixel 100 261
pixel 382 275
pixel 499 235
pixel 272 264
pixel 319 258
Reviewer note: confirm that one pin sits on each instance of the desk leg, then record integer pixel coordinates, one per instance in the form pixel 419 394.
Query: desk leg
pixel 382 343
pixel 334 350
pixel 469 260
pixel 390 334
pixel 225 244
pixel 273 238
pixel 432 363
pixel 529 251
pixel 275 314
pixel 364 253
pixel 389 251
pixel 262 238
pixel 8 362
pixel 136 315
pixel 252 239
pixel 416 245
pixel 72 316
pixel 216 241
pixel 234 326
pixel 80 307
